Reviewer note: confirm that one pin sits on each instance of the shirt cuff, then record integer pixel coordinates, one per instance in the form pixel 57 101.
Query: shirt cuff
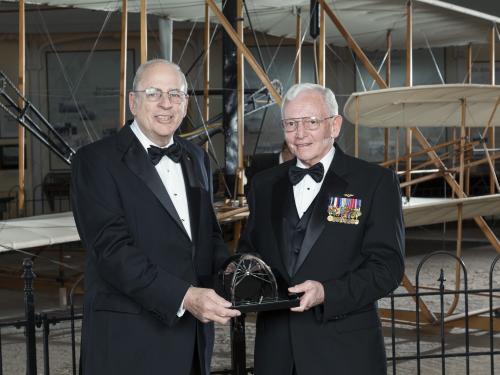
pixel 181 310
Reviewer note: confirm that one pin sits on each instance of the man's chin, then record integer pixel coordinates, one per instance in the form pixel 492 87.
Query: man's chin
pixel 166 130
pixel 303 156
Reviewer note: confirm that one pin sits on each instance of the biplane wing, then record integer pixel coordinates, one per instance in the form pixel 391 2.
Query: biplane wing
pixel 43 230
pixel 35 231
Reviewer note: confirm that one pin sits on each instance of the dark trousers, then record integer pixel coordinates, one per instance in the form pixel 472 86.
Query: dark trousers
pixel 195 367
pixel 195 370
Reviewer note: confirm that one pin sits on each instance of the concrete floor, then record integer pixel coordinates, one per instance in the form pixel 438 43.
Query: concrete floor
pixel 477 256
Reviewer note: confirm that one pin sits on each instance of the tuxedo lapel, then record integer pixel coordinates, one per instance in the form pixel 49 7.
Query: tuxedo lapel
pixel 195 174
pixel 137 161
pixel 333 185
pixel 193 193
pixel 282 199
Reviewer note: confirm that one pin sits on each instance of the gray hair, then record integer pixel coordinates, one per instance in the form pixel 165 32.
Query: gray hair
pixel 147 64
pixel 325 92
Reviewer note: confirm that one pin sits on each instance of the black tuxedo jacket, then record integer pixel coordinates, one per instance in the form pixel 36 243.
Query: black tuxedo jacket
pixel 140 260
pixel 357 265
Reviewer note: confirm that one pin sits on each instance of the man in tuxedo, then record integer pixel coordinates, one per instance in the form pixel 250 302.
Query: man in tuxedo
pixel 142 201
pixel 331 225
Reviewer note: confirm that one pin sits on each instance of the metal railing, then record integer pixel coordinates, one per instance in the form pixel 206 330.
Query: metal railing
pixel 41 322
pixel 442 322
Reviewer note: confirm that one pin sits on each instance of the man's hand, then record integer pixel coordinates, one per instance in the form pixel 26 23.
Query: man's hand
pixel 314 294
pixel 206 306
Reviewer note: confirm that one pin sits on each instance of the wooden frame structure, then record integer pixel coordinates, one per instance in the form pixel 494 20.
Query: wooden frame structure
pixel 459 188
pixel 462 145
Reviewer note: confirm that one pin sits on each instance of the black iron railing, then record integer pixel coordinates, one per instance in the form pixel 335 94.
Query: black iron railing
pixel 34 322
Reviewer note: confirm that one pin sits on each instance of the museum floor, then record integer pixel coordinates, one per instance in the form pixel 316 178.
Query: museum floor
pixel 477 255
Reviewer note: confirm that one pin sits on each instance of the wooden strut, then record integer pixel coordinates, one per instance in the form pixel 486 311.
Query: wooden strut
pixel 456 188
pixel 206 66
pixel 493 175
pixel 455 321
pixel 315 54
pixel 447 155
pixel 388 83
pixel 479 162
pixel 396 167
pixel 444 156
pixel 356 129
pixel 298 47
pixel 355 47
pixel 123 64
pixel 221 216
pixel 448 171
pixel 409 83
pixel 490 120
pixel 246 52
pixel 240 64
pixel 21 133
pixel 419 180
pixel 492 167
pixel 422 152
pixel 144 31
pixel 428 315
pixel 469 154
pixel 491 137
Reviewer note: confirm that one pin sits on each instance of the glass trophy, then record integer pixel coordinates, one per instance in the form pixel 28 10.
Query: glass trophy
pixel 250 285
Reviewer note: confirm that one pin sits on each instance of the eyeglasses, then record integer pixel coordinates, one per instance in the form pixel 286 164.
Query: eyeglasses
pixel 309 123
pixel 153 94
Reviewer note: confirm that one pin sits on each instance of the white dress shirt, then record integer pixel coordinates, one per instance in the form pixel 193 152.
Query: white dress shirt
pixel 172 178
pixel 307 189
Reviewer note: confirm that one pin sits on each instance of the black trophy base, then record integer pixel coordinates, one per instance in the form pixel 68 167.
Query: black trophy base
pixel 281 303
pixel 249 283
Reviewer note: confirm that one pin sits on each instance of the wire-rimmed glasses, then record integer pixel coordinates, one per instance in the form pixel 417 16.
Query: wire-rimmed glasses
pixel 309 123
pixel 154 94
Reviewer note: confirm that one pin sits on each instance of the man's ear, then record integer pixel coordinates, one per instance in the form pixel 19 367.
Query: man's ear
pixel 337 124
pixel 186 106
pixel 131 102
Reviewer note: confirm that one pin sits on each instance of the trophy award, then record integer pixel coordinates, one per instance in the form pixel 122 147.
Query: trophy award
pixel 251 286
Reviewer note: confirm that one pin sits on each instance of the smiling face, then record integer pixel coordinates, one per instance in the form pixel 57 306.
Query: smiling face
pixel 158 120
pixel 310 146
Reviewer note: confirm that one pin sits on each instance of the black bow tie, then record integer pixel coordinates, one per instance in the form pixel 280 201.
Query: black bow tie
pixel 296 174
pixel 173 151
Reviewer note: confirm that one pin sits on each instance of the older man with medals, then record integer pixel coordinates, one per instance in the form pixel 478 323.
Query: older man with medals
pixel 331 225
